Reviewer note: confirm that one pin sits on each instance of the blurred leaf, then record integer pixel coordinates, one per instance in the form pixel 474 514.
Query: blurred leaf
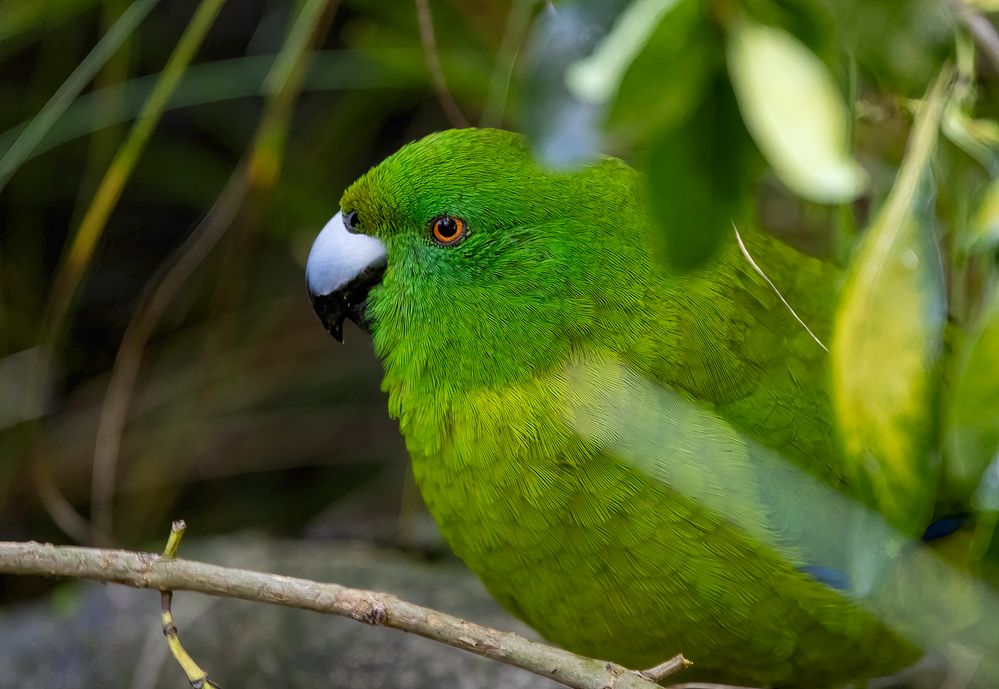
pixel 973 428
pixel 979 138
pixel 700 455
pixel 983 235
pixel 903 43
pixel 698 175
pixel 667 79
pixel 77 256
pixel 565 130
pixel 15 375
pixel 795 113
pixel 84 73
pixel 595 78
pixel 887 340
pixel 209 82
pixel 289 60
pixel 987 499
pixel 18 16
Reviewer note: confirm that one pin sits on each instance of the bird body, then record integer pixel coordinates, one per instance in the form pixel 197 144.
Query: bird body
pixel 630 458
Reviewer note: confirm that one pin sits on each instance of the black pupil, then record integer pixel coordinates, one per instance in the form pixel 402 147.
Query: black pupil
pixel 352 220
pixel 447 227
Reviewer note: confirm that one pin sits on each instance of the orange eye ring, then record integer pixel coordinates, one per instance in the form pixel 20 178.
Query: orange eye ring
pixel 447 230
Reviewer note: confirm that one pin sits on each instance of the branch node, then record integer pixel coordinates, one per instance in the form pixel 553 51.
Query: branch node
pixel 370 611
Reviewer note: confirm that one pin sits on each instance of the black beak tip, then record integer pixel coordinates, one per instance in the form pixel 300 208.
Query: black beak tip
pixel 336 330
pixel 347 301
pixel 331 313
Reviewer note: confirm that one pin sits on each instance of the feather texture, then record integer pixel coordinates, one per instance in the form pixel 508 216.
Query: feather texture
pixel 615 449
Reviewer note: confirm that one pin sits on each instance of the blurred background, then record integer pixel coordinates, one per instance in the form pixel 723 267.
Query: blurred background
pixel 180 359
pixel 165 166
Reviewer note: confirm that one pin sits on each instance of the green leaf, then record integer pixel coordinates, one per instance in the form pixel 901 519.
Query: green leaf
pixel 903 43
pixel 795 113
pixel 667 79
pixel 71 88
pixel 888 338
pixel 979 138
pixel 596 77
pixel 983 234
pixel 204 83
pixel 699 177
pixel 973 428
pixel 28 15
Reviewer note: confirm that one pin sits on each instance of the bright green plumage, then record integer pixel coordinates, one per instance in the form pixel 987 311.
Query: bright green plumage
pixel 506 354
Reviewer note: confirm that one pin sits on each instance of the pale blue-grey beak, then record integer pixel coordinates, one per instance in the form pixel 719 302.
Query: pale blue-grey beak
pixel 343 266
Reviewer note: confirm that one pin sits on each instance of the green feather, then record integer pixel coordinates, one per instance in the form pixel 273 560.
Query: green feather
pixel 629 458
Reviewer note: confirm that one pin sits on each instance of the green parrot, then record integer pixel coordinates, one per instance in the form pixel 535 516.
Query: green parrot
pixel 636 462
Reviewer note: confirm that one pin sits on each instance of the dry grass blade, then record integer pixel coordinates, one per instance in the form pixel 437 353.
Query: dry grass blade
pixel 84 73
pixel 284 83
pixel 59 509
pixel 255 176
pixel 157 296
pixel 429 41
pixel 81 249
pixel 77 257
pixel 515 32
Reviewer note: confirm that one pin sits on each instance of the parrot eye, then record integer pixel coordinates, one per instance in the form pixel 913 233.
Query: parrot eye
pixel 351 220
pixel 448 230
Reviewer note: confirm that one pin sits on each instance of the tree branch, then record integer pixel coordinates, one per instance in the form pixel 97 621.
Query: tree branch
pixel 152 571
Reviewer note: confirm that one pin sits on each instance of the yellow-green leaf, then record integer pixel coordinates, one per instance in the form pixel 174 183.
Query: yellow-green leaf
pixel 973 429
pixel 795 113
pixel 887 341
pixel 595 78
pixel 984 5
pixel 983 233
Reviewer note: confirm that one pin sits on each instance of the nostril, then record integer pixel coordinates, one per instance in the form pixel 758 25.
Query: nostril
pixel 351 221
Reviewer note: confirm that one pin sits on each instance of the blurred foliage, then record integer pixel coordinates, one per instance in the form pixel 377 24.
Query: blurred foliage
pixel 892 310
pixel 171 365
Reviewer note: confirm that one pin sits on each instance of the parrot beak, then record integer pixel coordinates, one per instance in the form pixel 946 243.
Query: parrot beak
pixel 342 268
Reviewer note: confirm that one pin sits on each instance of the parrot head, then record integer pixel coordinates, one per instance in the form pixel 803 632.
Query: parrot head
pixel 461 242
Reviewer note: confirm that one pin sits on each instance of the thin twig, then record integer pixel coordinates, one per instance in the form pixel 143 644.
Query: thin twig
pixel 981 30
pixel 670 667
pixel 197 676
pixel 150 660
pixel 702 685
pixel 429 42
pixel 149 570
